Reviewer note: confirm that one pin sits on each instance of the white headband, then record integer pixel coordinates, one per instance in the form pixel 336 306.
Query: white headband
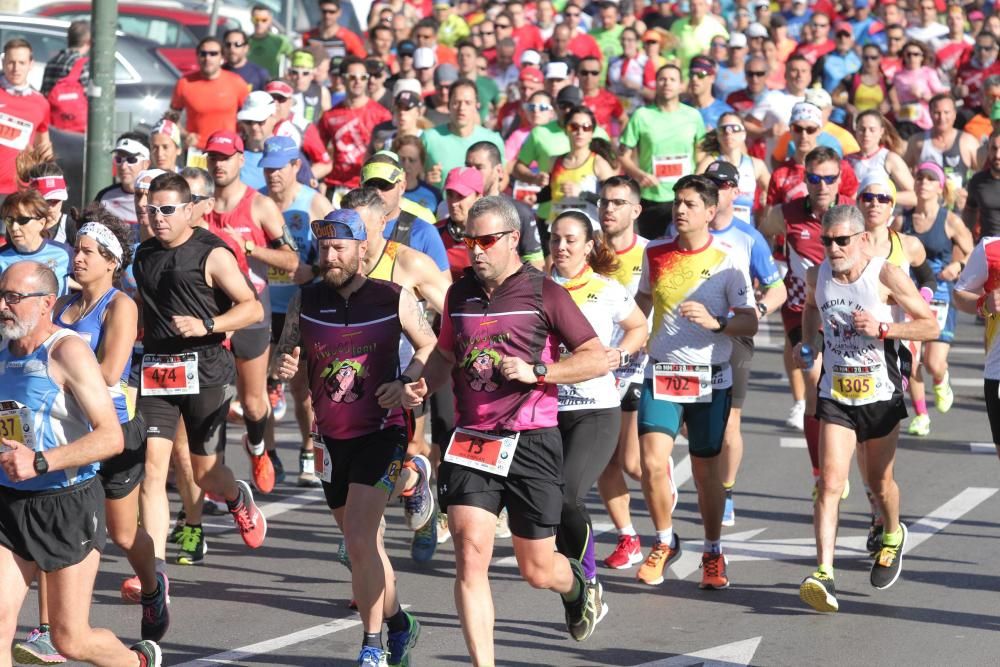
pixel 104 237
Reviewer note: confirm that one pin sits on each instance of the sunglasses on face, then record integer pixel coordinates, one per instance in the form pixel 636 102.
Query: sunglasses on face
pixel 842 241
pixel 17 220
pixel 719 45
pixel 260 20
pixel 799 129
pixel 869 197
pixel 732 129
pixel 873 58
pixel 209 54
pixel 235 45
pixel 14 298
pixel 816 179
pixel 485 242
pixel 580 127
pixel 127 159
pixel 532 107
pixel 300 72
pixel 357 77
pixel 166 210
pixel 612 203
pixel 589 72
pixel 701 74
pixel 197 199
pixel 752 74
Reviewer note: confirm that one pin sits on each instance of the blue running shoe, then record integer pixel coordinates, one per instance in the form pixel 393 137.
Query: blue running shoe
pixel 371 656
pixel 729 512
pixel 425 542
pixel 400 643
pixel 418 502
pixel 37 649
pixel 155 614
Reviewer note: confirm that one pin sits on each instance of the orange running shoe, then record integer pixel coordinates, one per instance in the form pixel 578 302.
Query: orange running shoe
pixel 248 518
pixel 661 556
pixel 262 468
pixel 713 571
pixel 132 590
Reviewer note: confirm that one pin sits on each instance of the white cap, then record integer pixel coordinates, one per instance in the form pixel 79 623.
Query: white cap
pixel 818 97
pixel 804 112
pixel 557 70
pixel 756 30
pixel 531 57
pixel 403 85
pixel 146 177
pixel 132 147
pixel 737 40
pixel 258 107
pixel 761 3
pixel 424 58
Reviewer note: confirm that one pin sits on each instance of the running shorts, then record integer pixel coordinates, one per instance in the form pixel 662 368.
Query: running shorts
pixel 55 529
pixel 374 459
pixel 630 401
pixel 706 422
pixel 875 420
pixel 123 472
pixel 532 491
pixel 741 361
pixel 792 321
pixel 203 414
pixel 277 326
pixel 250 343
pixel 991 389
pixel 948 333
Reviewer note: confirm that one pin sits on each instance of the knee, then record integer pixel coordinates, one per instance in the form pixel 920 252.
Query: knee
pixel 537 575
pixel 123 536
pixel 472 559
pixel 68 641
pixel 255 407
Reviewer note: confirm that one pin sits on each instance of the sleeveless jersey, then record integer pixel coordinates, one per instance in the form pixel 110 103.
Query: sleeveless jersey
pixel 804 248
pixel 629 274
pixel 897 255
pixel 864 165
pixel 949 160
pixel 56 419
pixel 743 204
pixel 351 349
pixel 297 219
pixel 90 328
pixel 857 369
pixel 937 245
pixel 386 262
pixel 582 176
pixel 307 105
pixel 605 303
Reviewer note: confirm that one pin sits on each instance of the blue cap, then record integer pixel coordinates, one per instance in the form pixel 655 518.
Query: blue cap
pixel 278 152
pixel 344 223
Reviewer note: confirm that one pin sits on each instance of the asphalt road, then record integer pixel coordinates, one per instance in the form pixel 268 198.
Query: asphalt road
pixel 286 603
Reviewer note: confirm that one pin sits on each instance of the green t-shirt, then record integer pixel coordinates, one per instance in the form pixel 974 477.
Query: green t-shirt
pixel 489 93
pixel 669 138
pixel 547 142
pixel 693 40
pixel 448 149
pixel 267 51
pixel 609 40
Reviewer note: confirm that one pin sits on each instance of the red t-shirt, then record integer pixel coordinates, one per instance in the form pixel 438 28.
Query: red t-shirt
pixel 348 133
pixel 788 182
pixel 22 118
pixel 813 52
pixel 974 76
pixel 606 106
pixel 352 43
pixel 211 104
pixel 527 37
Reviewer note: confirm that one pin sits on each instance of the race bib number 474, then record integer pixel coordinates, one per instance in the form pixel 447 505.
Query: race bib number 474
pixel 169 374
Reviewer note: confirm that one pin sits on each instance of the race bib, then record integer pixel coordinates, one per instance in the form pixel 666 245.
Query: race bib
pixel 940 310
pixel 169 374
pixel 482 451
pixel 854 385
pixel 321 457
pixel 909 112
pixel 526 192
pixel 15 132
pixel 15 424
pixel 682 383
pixel 276 276
pixel 671 168
pixel 196 158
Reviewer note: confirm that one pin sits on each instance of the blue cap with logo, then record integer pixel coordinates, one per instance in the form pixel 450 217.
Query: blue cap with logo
pixel 344 223
pixel 278 152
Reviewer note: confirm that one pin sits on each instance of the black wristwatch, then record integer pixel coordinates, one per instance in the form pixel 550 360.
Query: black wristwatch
pixel 209 325
pixel 762 308
pixel 540 370
pixel 723 322
pixel 41 465
pixel 624 358
pixel 405 379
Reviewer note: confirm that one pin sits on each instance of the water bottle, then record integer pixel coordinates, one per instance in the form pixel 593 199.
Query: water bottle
pixel 806 352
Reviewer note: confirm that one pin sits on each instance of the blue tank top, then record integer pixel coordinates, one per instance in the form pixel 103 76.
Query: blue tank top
pixel 91 329
pixel 938 246
pixel 55 418
pixel 56 256
pixel 297 219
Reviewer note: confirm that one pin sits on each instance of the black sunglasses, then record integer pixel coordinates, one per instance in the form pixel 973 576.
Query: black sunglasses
pixel 842 241
pixel 869 197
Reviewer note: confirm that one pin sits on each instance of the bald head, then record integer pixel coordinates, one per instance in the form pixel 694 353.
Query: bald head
pixel 27 276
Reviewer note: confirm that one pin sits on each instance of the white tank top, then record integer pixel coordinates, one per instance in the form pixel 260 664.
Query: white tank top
pixel 874 163
pixel 743 204
pixel 857 369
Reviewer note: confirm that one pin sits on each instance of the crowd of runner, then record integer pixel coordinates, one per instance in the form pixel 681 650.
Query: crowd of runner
pixel 492 254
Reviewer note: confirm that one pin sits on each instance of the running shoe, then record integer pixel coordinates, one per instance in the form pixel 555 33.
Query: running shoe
pixel 193 546
pixel 343 557
pixel 131 590
pixel 372 656
pixel 729 511
pixel 307 470
pixel 37 649
pixel 817 591
pixel 944 397
pixel 444 533
pixel 155 613
pixel 796 416
pixel 263 469
pixel 920 425
pixel 874 542
pixel 888 563
pixel 149 653
pixel 175 534
pixel 502 529
pixel 599 603
pixel 713 571
pixel 659 558
pixel 214 505
pixel 418 500
pixel 279 467
pixel 276 395
pixel 398 644
pixel 626 554
pixel 673 487
pixel 425 541
pixel 582 613
pixel 248 518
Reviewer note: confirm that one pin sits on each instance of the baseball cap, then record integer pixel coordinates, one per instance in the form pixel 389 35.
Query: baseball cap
pixel 761 3
pixel 406 48
pixel 465 181
pixel 723 172
pixel 804 112
pixel 819 98
pixel 344 223
pixel 258 107
pixel 976 15
pixel 132 147
pixel 411 85
pixel 407 100
pixel 557 70
pixel 303 60
pixel 169 128
pixel 224 142
pixel 569 96
pixel 843 26
pixel 860 4
pixel 531 57
pixel 702 64
pixel 531 74
pixel 756 30
pixel 424 58
pixel 278 152
pixel 652 36
pixel 51 187
pixel 737 40
pixel 445 74
pixel 279 88
pixel 382 171
pixel 146 177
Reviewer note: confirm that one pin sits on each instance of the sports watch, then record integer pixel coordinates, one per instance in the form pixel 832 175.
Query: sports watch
pixel 209 325
pixel 540 370
pixel 41 465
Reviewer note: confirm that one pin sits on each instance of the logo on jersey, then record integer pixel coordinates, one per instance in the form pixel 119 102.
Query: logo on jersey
pixel 344 380
pixel 482 369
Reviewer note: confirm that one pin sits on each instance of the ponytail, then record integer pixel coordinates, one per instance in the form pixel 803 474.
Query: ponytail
pixel 602 258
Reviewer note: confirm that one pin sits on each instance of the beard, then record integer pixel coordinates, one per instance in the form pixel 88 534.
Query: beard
pixel 12 328
pixel 336 276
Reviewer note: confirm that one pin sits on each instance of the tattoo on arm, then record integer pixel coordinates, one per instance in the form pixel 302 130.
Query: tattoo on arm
pixel 290 334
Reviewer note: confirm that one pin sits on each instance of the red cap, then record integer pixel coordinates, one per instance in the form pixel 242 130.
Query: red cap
pixel 279 88
pixel 465 181
pixel 224 142
pixel 532 74
pixel 842 26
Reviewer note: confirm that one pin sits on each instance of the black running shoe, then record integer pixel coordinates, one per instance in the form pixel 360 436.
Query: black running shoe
pixel 155 613
pixel 888 563
pixel 817 591
pixel 874 542
pixel 582 613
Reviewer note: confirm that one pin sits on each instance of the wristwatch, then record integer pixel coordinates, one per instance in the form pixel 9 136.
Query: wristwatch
pixel 41 465
pixel 723 323
pixel 249 246
pixel 624 358
pixel 883 330
pixel 209 325
pixel 540 370
pixel 405 379
pixel 762 308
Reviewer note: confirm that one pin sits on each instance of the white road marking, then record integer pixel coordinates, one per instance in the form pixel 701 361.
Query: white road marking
pixel 273 509
pixel 982 448
pixel 793 443
pixel 735 654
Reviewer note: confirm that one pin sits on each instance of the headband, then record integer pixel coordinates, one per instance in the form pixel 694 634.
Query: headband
pixel 935 169
pixel 104 238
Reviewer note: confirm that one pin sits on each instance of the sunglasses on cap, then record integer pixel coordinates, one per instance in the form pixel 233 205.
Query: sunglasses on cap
pixel 166 210
pixel 842 241
pixel 804 130
pixel 816 179
pixel 485 241
pixel 869 197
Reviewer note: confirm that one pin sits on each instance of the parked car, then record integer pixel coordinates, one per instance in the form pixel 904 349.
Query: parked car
pixel 177 30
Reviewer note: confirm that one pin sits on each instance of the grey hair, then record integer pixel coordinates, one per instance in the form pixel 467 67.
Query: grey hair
pixel 992 82
pixel 365 196
pixel 199 175
pixel 845 213
pixel 499 206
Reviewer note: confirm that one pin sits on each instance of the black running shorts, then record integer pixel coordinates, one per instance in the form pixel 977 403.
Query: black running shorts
pixel 630 401
pixel 532 492
pixel 250 343
pixel 375 460
pixel 875 420
pixel 122 473
pixel 55 529
pixel 203 414
pixel 991 389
